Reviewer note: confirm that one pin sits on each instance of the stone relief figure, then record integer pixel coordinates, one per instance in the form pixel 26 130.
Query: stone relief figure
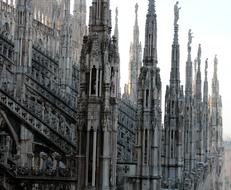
pixel 176 12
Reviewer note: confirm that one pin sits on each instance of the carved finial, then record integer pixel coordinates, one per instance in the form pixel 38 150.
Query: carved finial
pixel 176 12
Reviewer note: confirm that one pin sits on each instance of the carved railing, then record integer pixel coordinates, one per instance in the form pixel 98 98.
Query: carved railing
pixel 36 124
pixel 68 105
pixel 44 92
pixel 25 173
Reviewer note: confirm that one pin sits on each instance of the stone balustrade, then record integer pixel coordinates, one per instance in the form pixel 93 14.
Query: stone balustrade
pixel 37 124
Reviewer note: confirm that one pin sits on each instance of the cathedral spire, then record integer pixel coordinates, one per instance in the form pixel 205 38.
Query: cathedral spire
pixel 215 85
pixel 215 67
pixel 23 34
pixel 175 68
pixel 152 7
pixel 116 31
pixel 198 79
pixel 174 99
pixel 150 48
pixel 136 26
pixel 23 43
pixel 79 27
pixel 205 99
pixel 65 47
pixel 188 85
pixel 100 16
pixel 135 61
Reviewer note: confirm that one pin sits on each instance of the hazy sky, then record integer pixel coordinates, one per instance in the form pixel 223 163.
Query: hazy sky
pixel 210 24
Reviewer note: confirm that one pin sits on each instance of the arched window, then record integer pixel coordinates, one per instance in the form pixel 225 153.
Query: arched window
pixel 147 97
pixel 93 80
pixel 146 147
pixel 99 81
pixel 90 155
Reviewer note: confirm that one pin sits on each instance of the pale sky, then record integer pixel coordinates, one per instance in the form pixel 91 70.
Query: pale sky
pixel 210 24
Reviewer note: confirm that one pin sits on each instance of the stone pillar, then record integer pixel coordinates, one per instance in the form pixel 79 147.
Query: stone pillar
pixel 26 139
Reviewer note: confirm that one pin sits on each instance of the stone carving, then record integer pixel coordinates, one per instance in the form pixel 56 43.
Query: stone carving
pixel 190 37
pixel 199 53
pixel 176 13
pixel 206 65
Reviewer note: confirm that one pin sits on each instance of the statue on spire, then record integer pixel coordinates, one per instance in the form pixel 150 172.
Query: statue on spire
pixel 116 15
pixel 151 7
pixel 199 52
pixel 176 12
pixel 190 37
pixel 215 64
pixel 206 66
pixel 215 60
pixel 136 7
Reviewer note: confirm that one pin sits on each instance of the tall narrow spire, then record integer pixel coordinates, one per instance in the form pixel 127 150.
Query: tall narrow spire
pixel 149 113
pixel 150 48
pixel 23 34
pixel 215 85
pixel 175 68
pixel 151 7
pixel 205 94
pixel 198 79
pixel 116 31
pixel 135 61
pixel 23 43
pixel 173 131
pixel 188 111
pixel 215 67
pixel 188 84
pixel 205 115
pixel 79 27
pixel 100 16
pixel 65 48
pixel 216 111
pixel 136 30
pixel 98 97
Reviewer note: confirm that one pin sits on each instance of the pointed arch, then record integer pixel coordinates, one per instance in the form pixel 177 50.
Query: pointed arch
pixel 10 127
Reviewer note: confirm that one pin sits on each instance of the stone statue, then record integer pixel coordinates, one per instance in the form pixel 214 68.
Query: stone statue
pixel 215 60
pixel 215 64
pixel 199 52
pixel 116 14
pixel 136 9
pixel 189 40
pixel 206 65
pixel 176 12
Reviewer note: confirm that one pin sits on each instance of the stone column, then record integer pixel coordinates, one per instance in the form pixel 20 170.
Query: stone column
pixel 94 159
pixel 26 139
pixel 105 176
